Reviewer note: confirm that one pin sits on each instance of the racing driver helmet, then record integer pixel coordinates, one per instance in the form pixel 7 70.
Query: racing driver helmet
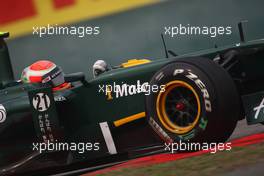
pixel 45 72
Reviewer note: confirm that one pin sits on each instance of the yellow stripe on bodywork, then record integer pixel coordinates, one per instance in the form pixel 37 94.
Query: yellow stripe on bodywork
pixel 135 62
pixel 129 119
pixel 81 10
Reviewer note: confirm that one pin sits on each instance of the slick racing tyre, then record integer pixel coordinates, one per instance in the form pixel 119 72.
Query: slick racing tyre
pixel 199 102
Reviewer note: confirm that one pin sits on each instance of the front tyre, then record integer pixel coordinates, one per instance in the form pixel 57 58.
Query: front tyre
pixel 199 102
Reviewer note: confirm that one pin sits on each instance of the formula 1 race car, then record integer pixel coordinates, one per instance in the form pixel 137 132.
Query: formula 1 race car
pixel 129 111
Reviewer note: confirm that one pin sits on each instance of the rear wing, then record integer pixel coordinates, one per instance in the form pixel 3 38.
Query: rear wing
pixel 6 71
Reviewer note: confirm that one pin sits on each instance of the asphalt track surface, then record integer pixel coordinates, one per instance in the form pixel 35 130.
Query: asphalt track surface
pixel 243 135
pixel 243 129
pixel 165 157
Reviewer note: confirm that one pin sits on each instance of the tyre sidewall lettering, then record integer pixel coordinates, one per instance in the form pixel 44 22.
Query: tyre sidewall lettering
pixel 194 79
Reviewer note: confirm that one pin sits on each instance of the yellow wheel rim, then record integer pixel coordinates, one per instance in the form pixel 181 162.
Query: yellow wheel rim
pixel 166 119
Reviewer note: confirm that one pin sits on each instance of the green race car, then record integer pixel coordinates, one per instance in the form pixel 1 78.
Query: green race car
pixel 129 111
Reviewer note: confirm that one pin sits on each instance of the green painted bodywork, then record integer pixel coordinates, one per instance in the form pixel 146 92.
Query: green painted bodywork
pixel 84 107
pixel 253 67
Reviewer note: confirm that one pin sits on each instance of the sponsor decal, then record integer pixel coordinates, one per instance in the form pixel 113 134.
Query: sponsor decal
pixel 207 102
pixel 203 123
pixel 2 113
pixel 44 114
pixel 109 94
pixel 159 76
pixel 59 98
pixel 159 130
pixel 202 126
pixel 193 77
pixel 188 136
pixel 259 108
pixel 117 91
pixel 41 102
pixel 110 144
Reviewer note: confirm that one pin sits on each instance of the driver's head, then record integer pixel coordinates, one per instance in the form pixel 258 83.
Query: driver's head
pixel 45 72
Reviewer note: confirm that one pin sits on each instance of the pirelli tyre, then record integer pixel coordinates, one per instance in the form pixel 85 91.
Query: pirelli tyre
pixel 198 102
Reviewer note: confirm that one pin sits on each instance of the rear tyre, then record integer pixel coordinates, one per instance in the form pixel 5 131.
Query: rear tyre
pixel 198 102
